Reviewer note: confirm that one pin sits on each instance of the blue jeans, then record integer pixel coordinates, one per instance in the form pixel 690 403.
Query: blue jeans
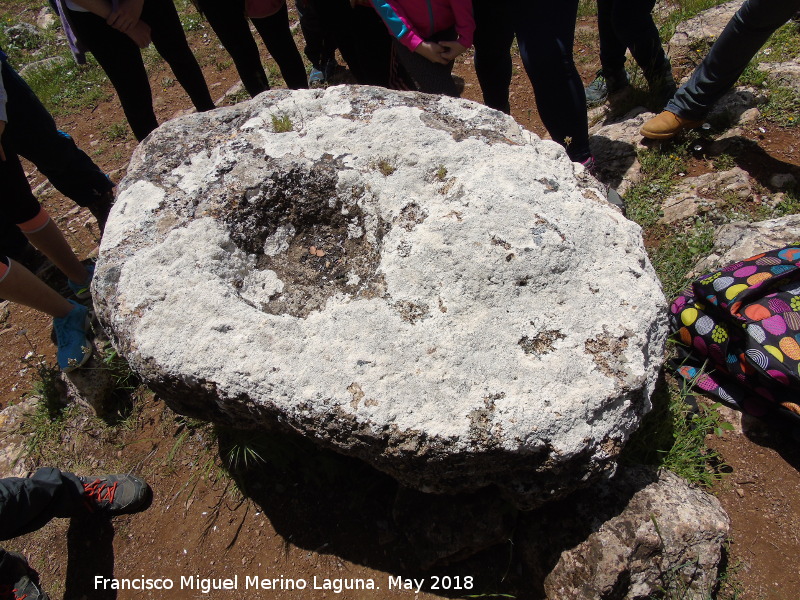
pixel 743 36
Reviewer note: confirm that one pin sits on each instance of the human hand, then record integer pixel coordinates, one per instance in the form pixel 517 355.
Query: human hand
pixel 140 34
pixel 453 49
pixel 2 152
pixel 432 51
pixel 126 16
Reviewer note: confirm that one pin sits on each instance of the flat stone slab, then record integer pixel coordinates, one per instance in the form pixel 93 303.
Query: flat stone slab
pixel 413 280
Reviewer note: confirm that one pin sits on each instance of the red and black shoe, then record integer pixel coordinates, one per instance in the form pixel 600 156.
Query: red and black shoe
pixel 116 494
pixel 18 581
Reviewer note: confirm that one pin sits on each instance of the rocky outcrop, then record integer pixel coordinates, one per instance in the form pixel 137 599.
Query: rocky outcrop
pixel 413 280
pixel 740 240
pixel 640 535
pixel 697 195
pixel 693 37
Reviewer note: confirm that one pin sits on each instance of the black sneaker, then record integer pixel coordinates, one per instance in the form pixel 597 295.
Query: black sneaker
pixel 18 581
pixel 604 84
pixel 116 494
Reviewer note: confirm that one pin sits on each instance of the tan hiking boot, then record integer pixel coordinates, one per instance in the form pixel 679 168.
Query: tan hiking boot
pixel 666 125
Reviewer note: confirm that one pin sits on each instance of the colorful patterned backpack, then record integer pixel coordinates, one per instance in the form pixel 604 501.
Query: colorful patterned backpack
pixel 739 335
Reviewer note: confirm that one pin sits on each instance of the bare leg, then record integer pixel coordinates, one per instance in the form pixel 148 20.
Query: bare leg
pixel 51 242
pixel 23 287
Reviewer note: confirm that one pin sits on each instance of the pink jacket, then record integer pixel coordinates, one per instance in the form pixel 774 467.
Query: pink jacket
pixel 414 21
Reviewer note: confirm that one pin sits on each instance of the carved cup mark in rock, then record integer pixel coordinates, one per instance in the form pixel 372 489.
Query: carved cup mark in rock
pixel 431 318
pixel 295 211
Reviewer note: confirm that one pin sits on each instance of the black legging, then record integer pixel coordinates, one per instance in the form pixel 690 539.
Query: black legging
pixel 545 31
pixel 121 59
pixel 628 24
pixel 227 19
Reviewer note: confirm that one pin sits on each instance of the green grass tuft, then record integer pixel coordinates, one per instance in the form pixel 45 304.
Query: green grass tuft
pixel 282 123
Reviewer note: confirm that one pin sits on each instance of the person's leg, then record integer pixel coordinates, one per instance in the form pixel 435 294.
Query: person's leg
pixel 612 47
pixel 633 24
pixel 361 37
pixel 311 27
pixel 121 60
pixel 228 21
pixel 12 242
pixel 545 32
pixel 27 504
pixel 34 135
pixel 19 285
pixel 70 319
pixel 743 36
pixel 43 233
pixel 20 207
pixel 277 36
pixel 170 41
pixel 494 35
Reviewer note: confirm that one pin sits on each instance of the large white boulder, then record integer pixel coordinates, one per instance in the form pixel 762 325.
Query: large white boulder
pixel 410 279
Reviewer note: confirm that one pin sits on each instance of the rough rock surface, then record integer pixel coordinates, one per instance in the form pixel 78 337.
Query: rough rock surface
pixel 615 144
pixel 640 535
pixel 12 450
pixel 413 280
pixel 736 241
pixel 692 37
pixel 784 73
pixel 697 195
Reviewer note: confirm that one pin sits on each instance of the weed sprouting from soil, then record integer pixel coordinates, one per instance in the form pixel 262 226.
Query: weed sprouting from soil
pixel 673 435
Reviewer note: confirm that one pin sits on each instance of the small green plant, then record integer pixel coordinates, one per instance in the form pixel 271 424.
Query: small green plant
pixel 385 167
pixel 47 385
pixel 244 452
pixel 117 132
pixel 673 258
pixel 724 162
pixel 587 8
pixel 282 123
pixel 659 168
pixel 441 173
pixel 220 64
pixel 673 435
pixel 65 87
pixel 191 21
pixel 782 107
pixel 167 82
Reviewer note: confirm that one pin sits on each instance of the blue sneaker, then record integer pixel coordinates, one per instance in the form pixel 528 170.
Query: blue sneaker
pixel 316 78
pixel 73 347
pixel 81 290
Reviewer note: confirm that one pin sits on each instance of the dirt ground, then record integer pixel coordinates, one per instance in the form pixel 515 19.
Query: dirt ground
pixel 324 518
